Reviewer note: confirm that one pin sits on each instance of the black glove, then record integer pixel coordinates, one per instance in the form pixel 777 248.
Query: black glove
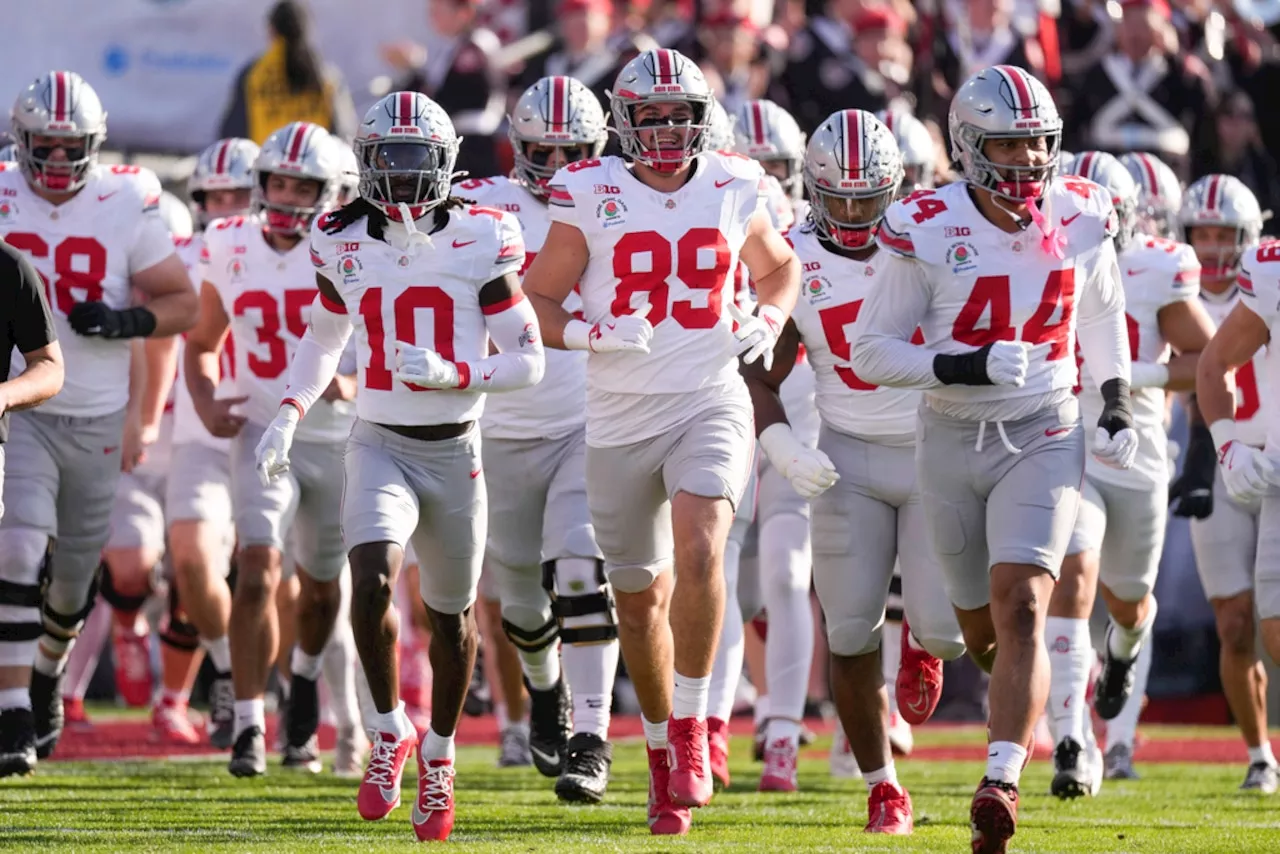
pixel 1193 490
pixel 963 368
pixel 97 319
pixel 1117 408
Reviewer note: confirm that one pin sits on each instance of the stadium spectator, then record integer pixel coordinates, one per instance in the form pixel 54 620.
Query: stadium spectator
pixel 583 50
pixel 1240 151
pixel 823 74
pixel 289 82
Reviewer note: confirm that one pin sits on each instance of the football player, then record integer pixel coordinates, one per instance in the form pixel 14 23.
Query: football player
pixel 655 244
pixel 427 281
pixel 1001 271
pixel 96 236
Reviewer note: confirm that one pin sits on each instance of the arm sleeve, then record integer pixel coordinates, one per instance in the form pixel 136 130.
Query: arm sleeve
pixel 1101 329
pixel 519 362
pixel 884 354
pixel 31 322
pixel 318 354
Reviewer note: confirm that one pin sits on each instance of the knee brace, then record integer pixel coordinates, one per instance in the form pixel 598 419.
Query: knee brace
pixel 581 600
pixel 178 632
pixel 24 562
pixel 66 626
pixel 114 597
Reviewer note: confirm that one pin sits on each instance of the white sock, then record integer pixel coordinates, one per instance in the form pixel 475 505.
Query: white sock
pixel 518 726
pixel 1005 760
pixel 437 746
pixel 782 728
pixel 891 660
pixel 590 669
pixel 542 668
pixel 304 665
pixel 250 713
pixel 1262 753
pixel 690 698
pixel 760 714
pixel 15 698
pixel 887 774
pixel 1123 642
pixel 655 734
pixel 1123 728
pixel 726 670
pixel 1070 657
pixel 395 722
pixel 785 562
pixel 219 652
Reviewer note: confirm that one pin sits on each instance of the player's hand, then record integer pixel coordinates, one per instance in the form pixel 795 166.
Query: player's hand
pixel 1008 362
pixel 1245 470
pixel 630 333
pixel 220 421
pixel 422 366
pixel 132 444
pixel 809 470
pixel 1115 442
pixel 757 334
pixel 272 453
pixel 1191 494
pixel 99 320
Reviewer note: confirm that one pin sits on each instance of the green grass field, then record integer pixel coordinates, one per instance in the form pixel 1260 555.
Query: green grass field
pixel 197 806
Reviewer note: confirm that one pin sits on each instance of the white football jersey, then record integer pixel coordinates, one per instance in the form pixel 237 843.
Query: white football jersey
pixel 87 250
pixel 985 284
pixel 677 253
pixel 1155 273
pixel 1259 290
pixel 267 296
pixel 832 291
pixel 430 298
pixel 556 406
pixel 187 426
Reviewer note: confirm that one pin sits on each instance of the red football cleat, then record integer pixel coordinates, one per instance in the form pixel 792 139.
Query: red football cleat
pixel 919 682
pixel 689 758
pixel 665 818
pixel 133 666
pixel 889 810
pixel 73 713
pixel 993 816
pixel 172 724
pixel 433 811
pixel 718 749
pixel 380 789
pixel 780 758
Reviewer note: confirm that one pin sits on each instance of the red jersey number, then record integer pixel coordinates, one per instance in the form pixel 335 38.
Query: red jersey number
pixel 270 358
pixel 404 310
pixel 663 259
pixel 990 297
pixel 80 264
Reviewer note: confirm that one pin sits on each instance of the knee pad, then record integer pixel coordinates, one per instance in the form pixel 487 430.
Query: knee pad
pixel 178 632
pixel 114 597
pixel 24 560
pixel 581 600
pixel 946 649
pixel 531 640
pixel 853 637
pixel 66 625
pixel 633 579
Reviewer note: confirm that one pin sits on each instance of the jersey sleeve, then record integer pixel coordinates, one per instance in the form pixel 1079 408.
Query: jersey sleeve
pixel 1259 282
pixel 509 256
pixel 324 258
pixel 1186 276
pixel 152 242
pixel 562 203
pixel 894 234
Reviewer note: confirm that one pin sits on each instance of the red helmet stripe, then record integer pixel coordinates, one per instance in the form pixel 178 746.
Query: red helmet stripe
pixel 757 123
pixel 1086 165
pixel 61 96
pixel 1149 168
pixel 853 143
pixel 1023 104
pixel 405 109
pixel 299 134
pixel 666 65
pixel 221 166
pixel 1211 198
pixel 559 102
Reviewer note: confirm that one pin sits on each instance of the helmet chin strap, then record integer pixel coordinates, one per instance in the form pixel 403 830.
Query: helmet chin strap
pixel 412 237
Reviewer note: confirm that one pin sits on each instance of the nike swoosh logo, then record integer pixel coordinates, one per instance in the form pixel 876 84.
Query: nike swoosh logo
pixel 488 375
pixel 609 326
pixel 1057 431
pixel 992 754
pixel 724 183
pixel 111 450
pixel 1135 272
pixel 1067 220
pixel 919 708
pixel 103 198
pixel 457 245
pixel 418 816
pixel 548 758
pixel 475 474
pixel 389 795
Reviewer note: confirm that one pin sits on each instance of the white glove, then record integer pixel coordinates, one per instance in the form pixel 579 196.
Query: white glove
pixel 630 333
pixel 422 366
pixel 1245 470
pixel 272 453
pixel 1118 451
pixel 757 333
pixel 1008 361
pixel 810 471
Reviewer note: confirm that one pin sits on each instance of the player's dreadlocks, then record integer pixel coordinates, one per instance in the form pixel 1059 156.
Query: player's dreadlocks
pixel 361 207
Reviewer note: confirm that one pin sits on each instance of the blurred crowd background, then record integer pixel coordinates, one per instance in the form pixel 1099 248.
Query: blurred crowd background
pixel 1186 79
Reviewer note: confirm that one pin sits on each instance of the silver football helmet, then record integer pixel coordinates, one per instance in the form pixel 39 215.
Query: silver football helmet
pixel 1159 194
pixel 765 132
pixel 556 115
pixel 1101 168
pixel 915 143
pixel 1221 200
pixel 58 104
pixel 225 165
pixel 299 150
pixel 176 215
pixel 407 148
pixel 719 133
pixel 660 76
pixel 852 170
pixel 1003 102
